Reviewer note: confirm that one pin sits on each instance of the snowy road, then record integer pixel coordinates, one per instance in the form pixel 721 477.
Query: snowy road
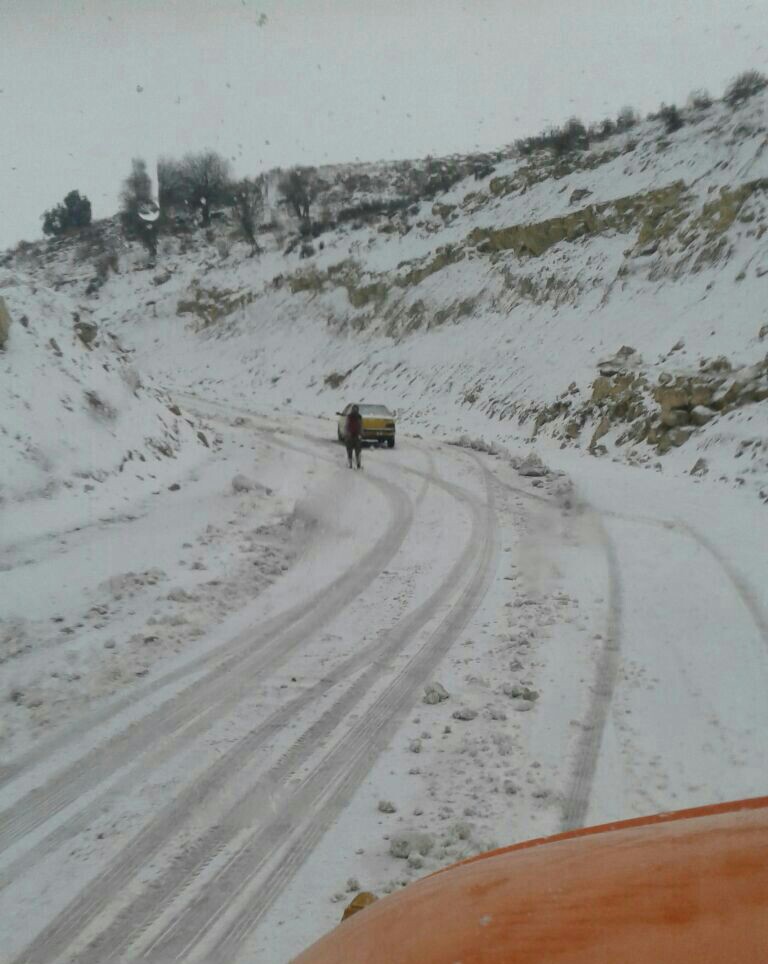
pixel 210 810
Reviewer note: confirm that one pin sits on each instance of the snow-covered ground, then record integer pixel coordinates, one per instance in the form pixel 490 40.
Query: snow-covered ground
pixel 223 652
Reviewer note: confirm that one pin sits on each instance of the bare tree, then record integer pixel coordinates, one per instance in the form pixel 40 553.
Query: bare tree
pixel 744 86
pixel 198 182
pixel 171 189
pixel 207 181
pixel 299 188
pixel 248 204
pixel 138 211
pixel 626 120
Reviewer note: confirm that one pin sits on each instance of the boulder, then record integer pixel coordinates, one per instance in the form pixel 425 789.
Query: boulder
pixel 625 357
pixel 678 436
pixel 719 364
pixel 671 396
pixel 701 393
pixel 532 467
pixel 701 415
pixel 625 387
pixel 700 467
pixel 754 391
pixel 602 429
pixel 675 417
pixel 86 331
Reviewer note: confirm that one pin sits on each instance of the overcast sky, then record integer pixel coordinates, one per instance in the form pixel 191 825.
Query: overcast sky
pixel 85 85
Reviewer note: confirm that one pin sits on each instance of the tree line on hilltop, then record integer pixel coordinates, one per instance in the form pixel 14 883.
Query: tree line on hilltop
pixel 192 191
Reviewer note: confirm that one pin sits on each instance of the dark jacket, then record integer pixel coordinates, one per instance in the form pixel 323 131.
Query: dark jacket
pixel 354 426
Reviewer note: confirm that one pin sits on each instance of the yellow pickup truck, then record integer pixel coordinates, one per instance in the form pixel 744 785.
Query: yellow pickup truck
pixel 378 423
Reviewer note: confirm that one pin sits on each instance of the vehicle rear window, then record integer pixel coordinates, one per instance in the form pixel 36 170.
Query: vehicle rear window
pixel 375 410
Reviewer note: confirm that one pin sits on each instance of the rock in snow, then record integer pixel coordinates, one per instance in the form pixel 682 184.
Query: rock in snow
pixel 518 692
pixel 241 483
pixel 409 842
pixel 435 693
pixel 532 467
pixel 464 713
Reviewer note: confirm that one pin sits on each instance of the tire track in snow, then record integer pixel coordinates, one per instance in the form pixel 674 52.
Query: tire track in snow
pixel 576 802
pixel 249 654
pixel 82 820
pixel 93 901
pixel 737 580
pixel 142 913
pixel 739 583
pixel 326 790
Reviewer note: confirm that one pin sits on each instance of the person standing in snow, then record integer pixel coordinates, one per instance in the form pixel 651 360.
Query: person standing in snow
pixel 353 436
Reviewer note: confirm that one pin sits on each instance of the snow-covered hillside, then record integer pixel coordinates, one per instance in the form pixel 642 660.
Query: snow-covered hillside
pixel 613 300
pixel 221 649
pixel 76 411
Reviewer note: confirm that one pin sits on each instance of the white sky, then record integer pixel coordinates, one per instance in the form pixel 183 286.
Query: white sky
pixel 329 80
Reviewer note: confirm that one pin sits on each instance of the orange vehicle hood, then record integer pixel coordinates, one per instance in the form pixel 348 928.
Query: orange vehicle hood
pixel 684 888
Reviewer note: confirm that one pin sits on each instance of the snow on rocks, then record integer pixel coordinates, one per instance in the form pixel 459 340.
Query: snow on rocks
pixel 179 594
pixel 479 445
pixel 242 484
pixel 532 467
pixel 464 713
pixel 130 583
pixel 403 844
pixel 516 691
pixel 435 693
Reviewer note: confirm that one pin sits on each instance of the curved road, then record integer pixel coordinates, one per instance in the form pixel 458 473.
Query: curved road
pixel 243 774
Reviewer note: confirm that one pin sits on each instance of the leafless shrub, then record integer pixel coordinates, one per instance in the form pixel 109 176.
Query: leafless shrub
pixel 248 206
pixel 106 262
pixel 196 183
pixel 135 203
pixel 627 119
pixel 744 86
pixel 699 99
